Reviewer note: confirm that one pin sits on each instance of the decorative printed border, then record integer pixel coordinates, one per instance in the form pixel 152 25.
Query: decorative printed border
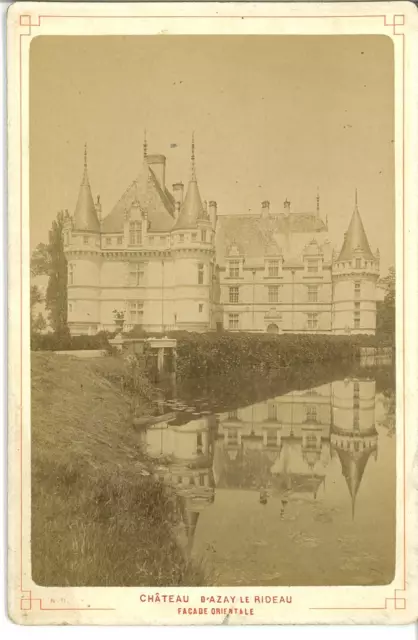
pixel 394 24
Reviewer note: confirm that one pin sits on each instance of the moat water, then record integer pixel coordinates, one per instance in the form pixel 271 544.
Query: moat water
pixel 288 480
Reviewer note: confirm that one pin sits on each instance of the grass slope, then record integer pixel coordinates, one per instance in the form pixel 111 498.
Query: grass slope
pixel 96 521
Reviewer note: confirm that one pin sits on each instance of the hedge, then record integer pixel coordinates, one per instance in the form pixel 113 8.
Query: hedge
pixel 222 353
pixel 66 342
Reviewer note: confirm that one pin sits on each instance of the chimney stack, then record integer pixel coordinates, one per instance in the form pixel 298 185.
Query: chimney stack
pixel 178 191
pixel 156 162
pixel 213 212
pixel 265 208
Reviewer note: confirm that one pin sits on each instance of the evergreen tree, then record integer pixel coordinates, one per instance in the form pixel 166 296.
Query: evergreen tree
pixel 49 259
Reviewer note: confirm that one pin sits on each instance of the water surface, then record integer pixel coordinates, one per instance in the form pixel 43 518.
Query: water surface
pixel 284 481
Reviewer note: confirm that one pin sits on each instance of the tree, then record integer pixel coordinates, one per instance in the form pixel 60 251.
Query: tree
pixel 37 323
pixel 49 259
pixel 387 309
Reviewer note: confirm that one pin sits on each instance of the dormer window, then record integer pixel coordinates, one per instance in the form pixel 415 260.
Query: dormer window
pixel 358 263
pixel 312 266
pixel 273 268
pixel 234 268
pixel 135 233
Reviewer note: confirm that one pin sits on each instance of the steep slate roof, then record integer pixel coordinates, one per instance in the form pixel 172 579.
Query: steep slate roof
pixel 192 208
pixel 355 238
pixel 153 198
pixel 254 234
pixel 85 215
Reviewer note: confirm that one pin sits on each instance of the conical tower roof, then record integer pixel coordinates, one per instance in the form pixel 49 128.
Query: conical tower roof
pixel 355 238
pixel 85 215
pixel 192 207
pixel 353 466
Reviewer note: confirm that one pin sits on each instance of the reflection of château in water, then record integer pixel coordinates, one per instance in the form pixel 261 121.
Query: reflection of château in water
pixel 295 435
pixel 289 438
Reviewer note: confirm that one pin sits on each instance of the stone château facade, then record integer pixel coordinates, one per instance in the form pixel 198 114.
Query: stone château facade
pixel 167 261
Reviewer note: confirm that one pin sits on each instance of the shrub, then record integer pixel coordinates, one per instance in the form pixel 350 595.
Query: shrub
pixel 66 342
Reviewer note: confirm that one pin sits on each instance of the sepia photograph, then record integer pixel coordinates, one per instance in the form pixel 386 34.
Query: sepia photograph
pixel 213 278
pixel 213 314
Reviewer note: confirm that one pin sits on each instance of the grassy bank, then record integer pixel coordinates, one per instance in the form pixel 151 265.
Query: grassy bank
pixel 96 520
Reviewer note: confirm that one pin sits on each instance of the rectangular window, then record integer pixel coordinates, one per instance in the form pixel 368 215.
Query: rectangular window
pixel 120 239
pixel 85 239
pixel 151 239
pixel 233 415
pixel 136 274
pixel 312 266
pixel 311 441
pixel 272 411
pixel 136 312
pixel 312 320
pixel 70 307
pixel 358 263
pixel 234 268
pixel 357 289
pixel 135 233
pixel 233 321
pixel 273 268
pixel 203 236
pixel 233 295
pixel 312 294
pixel 356 390
pixel 200 308
pixel 357 305
pixel 273 295
pixel 108 240
pixel 70 274
pixel 311 413
pixel 194 237
pixel 200 273
pixel 181 237
pixel 356 320
pixel 271 438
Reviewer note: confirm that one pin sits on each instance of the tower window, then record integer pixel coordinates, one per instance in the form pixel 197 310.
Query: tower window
pixel 200 308
pixel 273 268
pixel 357 305
pixel 312 266
pixel 312 294
pixel 200 273
pixel 136 312
pixel 135 233
pixel 357 289
pixel 233 320
pixel 234 268
pixel 356 320
pixel 233 295
pixel 203 236
pixel 273 295
pixel 356 390
pixel 70 274
pixel 136 274
pixel 312 320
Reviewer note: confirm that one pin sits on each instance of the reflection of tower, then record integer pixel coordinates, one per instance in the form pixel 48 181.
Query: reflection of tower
pixel 353 432
pixel 187 455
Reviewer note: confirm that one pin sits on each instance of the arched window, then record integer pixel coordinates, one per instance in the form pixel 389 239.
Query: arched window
pixel 135 233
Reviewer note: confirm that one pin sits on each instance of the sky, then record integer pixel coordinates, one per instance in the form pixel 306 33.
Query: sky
pixel 274 117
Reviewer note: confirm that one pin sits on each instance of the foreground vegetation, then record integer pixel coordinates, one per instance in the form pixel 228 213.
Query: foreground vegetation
pixel 98 516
